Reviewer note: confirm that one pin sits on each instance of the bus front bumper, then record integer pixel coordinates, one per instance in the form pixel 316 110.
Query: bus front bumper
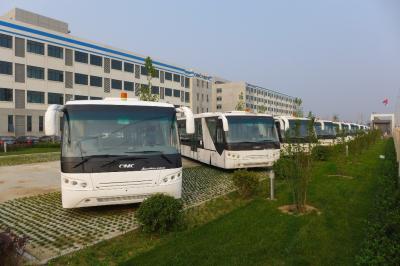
pixel 251 159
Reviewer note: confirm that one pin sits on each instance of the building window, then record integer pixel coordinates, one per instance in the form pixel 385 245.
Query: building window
pixel 116 84
pixel 6 68
pixel 186 82
pixel 198 82
pixel 96 60
pixel 155 90
pixel 35 97
pixel 29 123
pixel 95 98
pixel 116 64
pixel 219 90
pixel 96 81
pixel 81 57
pixel 198 96
pixel 6 95
pixel 143 70
pixel 128 67
pixel 35 72
pixel 207 84
pixel 40 123
pixel 177 93
pixel 177 78
pixel 156 73
pixel 55 98
pixel 55 75
pixel 55 51
pixel 35 47
pixel 10 123
pixel 168 76
pixel 207 97
pixel 128 86
pixel 219 106
pixel 80 97
pixel 187 97
pixel 219 98
pixel 6 41
pixel 81 79
pixel 168 92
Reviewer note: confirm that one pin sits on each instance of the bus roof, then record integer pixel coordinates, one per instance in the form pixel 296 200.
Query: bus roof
pixel 118 101
pixel 232 113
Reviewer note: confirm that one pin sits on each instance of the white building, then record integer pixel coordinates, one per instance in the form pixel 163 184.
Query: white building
pixel 227 94
pixel 41 63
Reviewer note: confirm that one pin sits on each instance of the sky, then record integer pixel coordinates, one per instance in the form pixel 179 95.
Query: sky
pixel 340 56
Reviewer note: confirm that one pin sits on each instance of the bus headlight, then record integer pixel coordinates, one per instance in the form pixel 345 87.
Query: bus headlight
pixel 77 184
pixel 169 179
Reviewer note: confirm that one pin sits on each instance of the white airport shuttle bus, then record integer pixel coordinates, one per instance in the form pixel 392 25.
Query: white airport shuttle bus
pixel 231 140
pixel 287 132
pixel 326 132
pixel 117 151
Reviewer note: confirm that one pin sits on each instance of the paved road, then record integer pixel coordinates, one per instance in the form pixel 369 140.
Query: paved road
pixel 32 179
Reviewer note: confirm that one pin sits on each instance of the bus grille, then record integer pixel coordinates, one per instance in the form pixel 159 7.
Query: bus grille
pixel 123 198
pixel 124 184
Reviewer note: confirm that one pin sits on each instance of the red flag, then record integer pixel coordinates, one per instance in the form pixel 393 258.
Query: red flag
pixel 386 101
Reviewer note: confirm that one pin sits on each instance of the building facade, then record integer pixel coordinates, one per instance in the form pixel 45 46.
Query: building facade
pixel 41 63
pixel 226 95
pixel 201 91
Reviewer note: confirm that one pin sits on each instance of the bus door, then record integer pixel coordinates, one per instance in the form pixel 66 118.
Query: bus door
pixel 217 158
pixel 197 138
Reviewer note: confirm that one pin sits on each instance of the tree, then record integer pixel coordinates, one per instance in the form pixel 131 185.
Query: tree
pixel 335 118
pixel 262 109
pixel 240 106
pixel 299 110
pixel 296 165
pixel 145 91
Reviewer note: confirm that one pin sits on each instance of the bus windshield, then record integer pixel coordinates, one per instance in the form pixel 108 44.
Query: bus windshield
pixel 251 129
pixel 303 128
pixel 329 129
pixel 95 130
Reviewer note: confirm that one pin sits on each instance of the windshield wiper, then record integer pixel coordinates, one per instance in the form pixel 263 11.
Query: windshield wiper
pixel 123 157
pixel 91 157
pixel 162 154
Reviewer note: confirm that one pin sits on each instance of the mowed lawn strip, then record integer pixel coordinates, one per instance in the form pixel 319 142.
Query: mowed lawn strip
pixel 257 233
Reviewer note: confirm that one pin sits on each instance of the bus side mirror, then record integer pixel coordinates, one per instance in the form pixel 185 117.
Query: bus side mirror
pixel 51 120
pixel 225 125
pixel 189 118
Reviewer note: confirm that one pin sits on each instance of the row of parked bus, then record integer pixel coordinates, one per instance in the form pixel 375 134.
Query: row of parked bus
pixel 239 139
pixel 119 150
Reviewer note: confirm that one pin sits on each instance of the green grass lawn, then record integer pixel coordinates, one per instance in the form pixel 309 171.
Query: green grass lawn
pixel 36 154
pixel 30 150
pixel 232 231
pixel 16 159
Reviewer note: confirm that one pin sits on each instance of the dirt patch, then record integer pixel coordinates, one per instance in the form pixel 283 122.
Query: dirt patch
pixel 2 182
pixel 291 209
pixel 18 192
pixel 343 176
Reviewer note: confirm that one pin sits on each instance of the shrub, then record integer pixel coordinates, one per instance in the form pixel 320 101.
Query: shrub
pixel 160 213
pixel 12 247
pixel 321 153
pixel 246 182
